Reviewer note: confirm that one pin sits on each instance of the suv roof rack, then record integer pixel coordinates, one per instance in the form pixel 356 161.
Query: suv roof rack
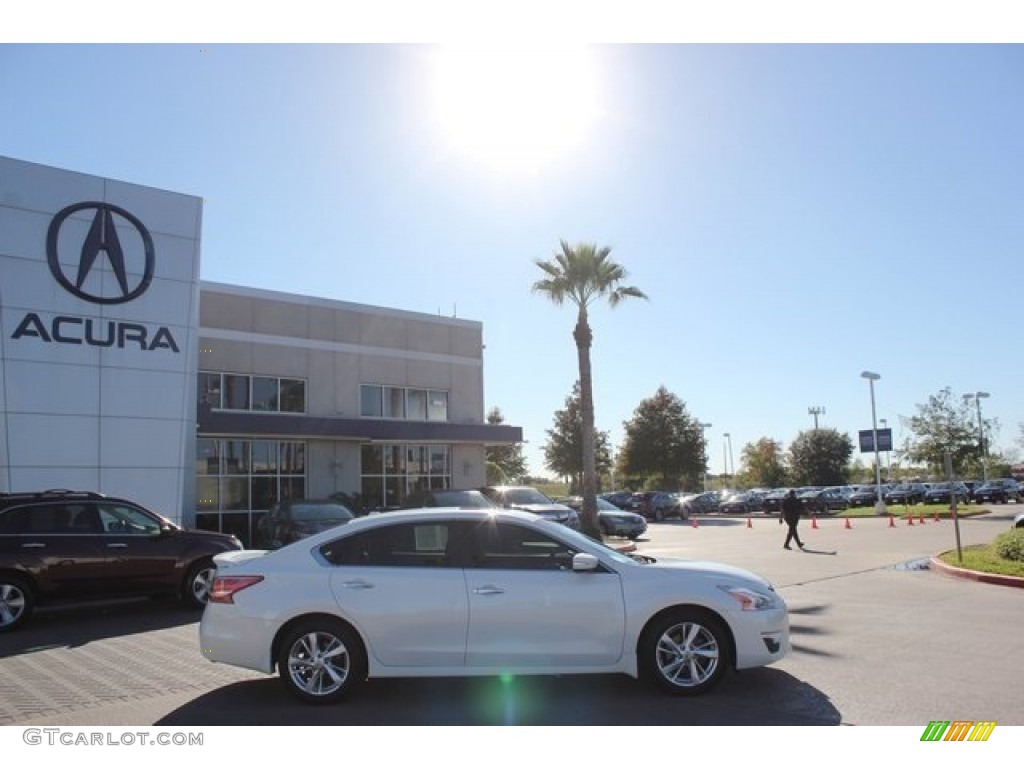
pixel 53 493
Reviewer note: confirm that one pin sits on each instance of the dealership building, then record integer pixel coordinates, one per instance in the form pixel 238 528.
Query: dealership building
pixel 125 373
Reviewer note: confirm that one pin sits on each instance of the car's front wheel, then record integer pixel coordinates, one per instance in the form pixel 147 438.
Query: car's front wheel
pixel 16 602
pixel 321 660
pixel 685 652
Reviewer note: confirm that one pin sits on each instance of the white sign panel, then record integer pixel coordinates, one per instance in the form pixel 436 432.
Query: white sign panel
pixel 99 305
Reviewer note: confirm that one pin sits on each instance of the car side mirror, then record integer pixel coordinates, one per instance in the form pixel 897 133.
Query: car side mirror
pixel 584 561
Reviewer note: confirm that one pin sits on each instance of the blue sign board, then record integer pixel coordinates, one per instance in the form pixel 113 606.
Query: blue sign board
pixel 867 443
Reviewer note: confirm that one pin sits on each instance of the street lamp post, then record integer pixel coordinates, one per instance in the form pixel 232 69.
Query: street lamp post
pixel 977 398
pixel 879 503
pixel 704 453
pixel 730 468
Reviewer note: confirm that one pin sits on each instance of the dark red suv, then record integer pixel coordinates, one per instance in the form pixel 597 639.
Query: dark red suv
pixel 72 546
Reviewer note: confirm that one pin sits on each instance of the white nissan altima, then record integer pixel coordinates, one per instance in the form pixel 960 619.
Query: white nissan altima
pixel 446 592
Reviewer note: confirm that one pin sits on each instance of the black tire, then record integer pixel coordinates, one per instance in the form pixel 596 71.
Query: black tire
pixel 685 652
pixel 16 602
pixel 321 660
pixel 195 592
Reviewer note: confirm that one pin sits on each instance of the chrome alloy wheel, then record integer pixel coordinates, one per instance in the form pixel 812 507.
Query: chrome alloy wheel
pixel 318 664
pixel 12 605
pixel 687 655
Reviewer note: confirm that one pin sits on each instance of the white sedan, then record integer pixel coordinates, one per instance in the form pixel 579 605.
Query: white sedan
pixel 446 593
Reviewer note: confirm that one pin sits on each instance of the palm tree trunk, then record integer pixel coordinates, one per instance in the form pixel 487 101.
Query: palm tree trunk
pixel 583 337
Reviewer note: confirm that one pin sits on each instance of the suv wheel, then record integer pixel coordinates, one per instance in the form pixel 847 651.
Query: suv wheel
pixel 16 602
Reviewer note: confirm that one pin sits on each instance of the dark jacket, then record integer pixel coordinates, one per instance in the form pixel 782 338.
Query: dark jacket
pixel 791 508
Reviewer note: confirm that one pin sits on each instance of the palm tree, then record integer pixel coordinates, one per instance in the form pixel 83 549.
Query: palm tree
pixel 582 274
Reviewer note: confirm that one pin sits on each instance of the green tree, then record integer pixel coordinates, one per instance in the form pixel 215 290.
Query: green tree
pixel 504 462
pixel 944 423
pixel 663 442
pixel 582 274
pixel 763 464
pixel 563 452
pixel 820 457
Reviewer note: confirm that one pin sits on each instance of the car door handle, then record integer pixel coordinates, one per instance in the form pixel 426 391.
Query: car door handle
pixel 117 545
pixel 488 589
pixel 34 545
pixel 358 584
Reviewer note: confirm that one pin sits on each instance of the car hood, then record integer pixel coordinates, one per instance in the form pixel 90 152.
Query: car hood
pixel 673 566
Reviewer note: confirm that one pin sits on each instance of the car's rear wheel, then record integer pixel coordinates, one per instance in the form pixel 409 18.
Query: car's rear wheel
pixel 321 660
pixel 16 602
pixel 196 590
pixel 685 652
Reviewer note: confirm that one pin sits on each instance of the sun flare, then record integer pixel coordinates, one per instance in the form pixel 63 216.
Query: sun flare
pixel 515 109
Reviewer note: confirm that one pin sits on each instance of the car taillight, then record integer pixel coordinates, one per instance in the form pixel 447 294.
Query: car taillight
pixel 225 587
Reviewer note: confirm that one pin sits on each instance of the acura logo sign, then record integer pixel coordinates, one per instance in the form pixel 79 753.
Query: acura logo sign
pixel 102 238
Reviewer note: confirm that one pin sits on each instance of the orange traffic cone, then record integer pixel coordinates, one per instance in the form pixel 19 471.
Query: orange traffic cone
pixel 935 516
pixel 848 525
pixel 920 517
pixel 910 519
pixel 892 521
pixel 749 524
pixel 693 522
pixel 814 522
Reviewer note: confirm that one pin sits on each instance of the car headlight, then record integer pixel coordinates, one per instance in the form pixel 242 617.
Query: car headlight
pixel 749 599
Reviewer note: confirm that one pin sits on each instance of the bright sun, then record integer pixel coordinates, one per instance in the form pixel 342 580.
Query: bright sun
pixel 515 110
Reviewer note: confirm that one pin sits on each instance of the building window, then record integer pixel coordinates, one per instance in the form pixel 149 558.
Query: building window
pixel 237 481
pixel 240 392
pixel 391 472
pixel 406 403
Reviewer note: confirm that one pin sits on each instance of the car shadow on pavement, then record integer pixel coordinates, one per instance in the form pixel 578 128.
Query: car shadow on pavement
pixel 762 696
pixel 77 625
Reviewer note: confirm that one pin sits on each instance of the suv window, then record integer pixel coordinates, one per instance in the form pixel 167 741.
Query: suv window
pixel 124 519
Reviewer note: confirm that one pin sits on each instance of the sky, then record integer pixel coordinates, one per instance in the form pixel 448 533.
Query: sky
pixel 797 211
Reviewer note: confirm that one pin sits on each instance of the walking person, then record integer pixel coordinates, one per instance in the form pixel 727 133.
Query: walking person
pixel 791 509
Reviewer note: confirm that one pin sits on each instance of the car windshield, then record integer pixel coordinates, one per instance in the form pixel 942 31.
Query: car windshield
pixel 526 496
pixel 312 512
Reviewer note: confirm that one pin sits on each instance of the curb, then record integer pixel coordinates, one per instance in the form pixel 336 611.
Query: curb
pixel 963 573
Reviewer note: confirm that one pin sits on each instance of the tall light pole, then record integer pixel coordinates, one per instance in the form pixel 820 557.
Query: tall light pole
pixel 977 398
pixel 730 468
pixel 704 452
pixel 814 411
pixel 879 503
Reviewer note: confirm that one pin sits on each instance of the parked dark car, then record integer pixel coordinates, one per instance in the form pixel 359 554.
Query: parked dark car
pixel 773 500
pixel 448 497
pixel 905 493
pixel 295 519
pixel 998 491
pixel 742 503
pixel 864 496
pixel 944 493
pixel 71 546
pixel 654 505
pixel 529 499
pixel 822 501
pixel 619 498
pixel 612 520
pixel 699 504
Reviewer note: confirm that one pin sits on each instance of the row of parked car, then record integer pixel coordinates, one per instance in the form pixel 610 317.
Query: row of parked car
pixel 658 505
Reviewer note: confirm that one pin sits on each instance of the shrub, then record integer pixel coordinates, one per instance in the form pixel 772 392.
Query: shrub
pixel 1011 544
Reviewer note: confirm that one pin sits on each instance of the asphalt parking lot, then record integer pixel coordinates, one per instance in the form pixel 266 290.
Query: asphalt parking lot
pixel 879 639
